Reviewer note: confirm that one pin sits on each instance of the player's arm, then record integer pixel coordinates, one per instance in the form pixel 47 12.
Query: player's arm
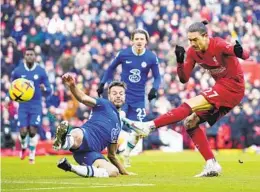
pixel 46 86
pixel 233 50
pixel 184 68
pixel 108 73
pixel 157 79
pixel 156 74
pixel 112 148
pixel 110 70
pixel 78 94
pixel 14 75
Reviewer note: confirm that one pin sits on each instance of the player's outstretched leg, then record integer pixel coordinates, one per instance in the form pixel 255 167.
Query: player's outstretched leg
pixel 82 170
pixel 61 131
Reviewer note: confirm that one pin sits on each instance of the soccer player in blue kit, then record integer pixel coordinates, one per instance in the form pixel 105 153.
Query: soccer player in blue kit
pixel 100 131
pixel 30 112
pixel 136 62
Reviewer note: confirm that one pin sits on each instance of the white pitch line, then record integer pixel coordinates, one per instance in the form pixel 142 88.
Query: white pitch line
pixel 97 186
pixel 68 183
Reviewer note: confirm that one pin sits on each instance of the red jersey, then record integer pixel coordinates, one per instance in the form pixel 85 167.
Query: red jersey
pixel 219 59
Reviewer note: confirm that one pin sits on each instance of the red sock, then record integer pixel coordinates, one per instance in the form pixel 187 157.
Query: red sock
pixel 200 140
pixel 173 116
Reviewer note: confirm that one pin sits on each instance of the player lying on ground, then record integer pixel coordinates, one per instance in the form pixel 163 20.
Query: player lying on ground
pixel 136 62
pixel 30 112
pixel 100 131
pixel 220 59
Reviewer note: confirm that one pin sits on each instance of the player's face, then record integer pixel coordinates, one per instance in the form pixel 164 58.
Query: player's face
pixel 139 42
pixel 117 96
pixel 29 56
pixel 198 41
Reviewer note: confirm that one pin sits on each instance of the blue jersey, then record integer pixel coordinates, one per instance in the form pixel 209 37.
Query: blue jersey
pixel 103 126
pixel 135 69
pixel 38 76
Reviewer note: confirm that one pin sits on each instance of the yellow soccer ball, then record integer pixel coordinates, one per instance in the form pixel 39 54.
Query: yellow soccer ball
pixel 21 90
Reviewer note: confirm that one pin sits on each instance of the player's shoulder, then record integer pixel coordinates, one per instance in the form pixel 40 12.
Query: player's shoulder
pixel 102 102
pixel 150 53
pixel 217 40
pixel 40 67
pixel 125 51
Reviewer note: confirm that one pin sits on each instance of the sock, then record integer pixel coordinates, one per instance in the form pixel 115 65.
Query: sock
pixel 23 141
pixel 32 146
pixel 89 171
pixel 131 143
pixel 173 116
pixel 69 142
pixel 201 142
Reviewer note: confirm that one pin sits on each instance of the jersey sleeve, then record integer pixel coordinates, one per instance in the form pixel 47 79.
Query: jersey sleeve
pixel 45 81
pixel 14 74
pixel 111 69
pixel 156 73
pixel 184 70
pixel 228 49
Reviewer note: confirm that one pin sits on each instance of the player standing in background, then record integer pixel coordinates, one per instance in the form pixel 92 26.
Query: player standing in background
pixel 100 131
pixel 30 113
pixel 136 63
pixel 220 59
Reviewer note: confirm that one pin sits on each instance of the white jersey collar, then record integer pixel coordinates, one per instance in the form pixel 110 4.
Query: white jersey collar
pixel 33 67
pixel 133 50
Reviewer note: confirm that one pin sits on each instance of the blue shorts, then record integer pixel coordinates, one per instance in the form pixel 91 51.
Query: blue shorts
pixel 87 158
pixel 28 117
pixel 85 155
pixel 135 113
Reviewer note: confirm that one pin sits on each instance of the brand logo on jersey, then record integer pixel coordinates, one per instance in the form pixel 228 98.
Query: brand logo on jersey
pixel 217 70
pixel 36 77
pixel 135 77
pixel 215 60
pixel 23 76
pixel 143 64
pixel 115 133
pixel 127 62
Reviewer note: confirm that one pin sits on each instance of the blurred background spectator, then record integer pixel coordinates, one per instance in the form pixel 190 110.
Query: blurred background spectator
pixel 83 36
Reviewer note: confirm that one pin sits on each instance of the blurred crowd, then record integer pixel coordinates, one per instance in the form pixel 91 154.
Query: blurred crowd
pixel 83 36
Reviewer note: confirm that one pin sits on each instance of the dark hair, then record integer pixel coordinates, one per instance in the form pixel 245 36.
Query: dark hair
pixel 29 49
pixel 199 27
pixel 142 31
pixel 116 83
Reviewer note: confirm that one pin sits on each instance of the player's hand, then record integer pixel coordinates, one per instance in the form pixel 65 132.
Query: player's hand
pixel 179 52
pixel 100 89
pixel 238 50
pixel 152 94
pixel 68 79
pixel 42 87
pixel 130 173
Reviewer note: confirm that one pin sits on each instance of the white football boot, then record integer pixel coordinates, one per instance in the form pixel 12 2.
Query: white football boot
pixel 211 169
pixel 141 128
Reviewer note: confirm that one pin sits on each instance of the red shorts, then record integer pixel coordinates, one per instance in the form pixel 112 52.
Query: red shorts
pixel 224 95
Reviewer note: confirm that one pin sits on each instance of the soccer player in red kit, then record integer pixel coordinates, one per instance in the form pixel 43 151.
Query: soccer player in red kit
pixel 219 58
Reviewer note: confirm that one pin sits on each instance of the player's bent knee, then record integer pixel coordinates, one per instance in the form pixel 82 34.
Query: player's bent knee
pixel 77 134
pixel 114 172
pixel 191 121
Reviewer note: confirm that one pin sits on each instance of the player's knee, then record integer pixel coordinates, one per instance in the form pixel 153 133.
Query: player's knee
pixel 113 172
pixel 32 131
pixel 191 121
pixel 77 134
pixel 23 132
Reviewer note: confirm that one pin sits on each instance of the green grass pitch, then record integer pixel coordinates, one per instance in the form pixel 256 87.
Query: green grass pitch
pixel 157 171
